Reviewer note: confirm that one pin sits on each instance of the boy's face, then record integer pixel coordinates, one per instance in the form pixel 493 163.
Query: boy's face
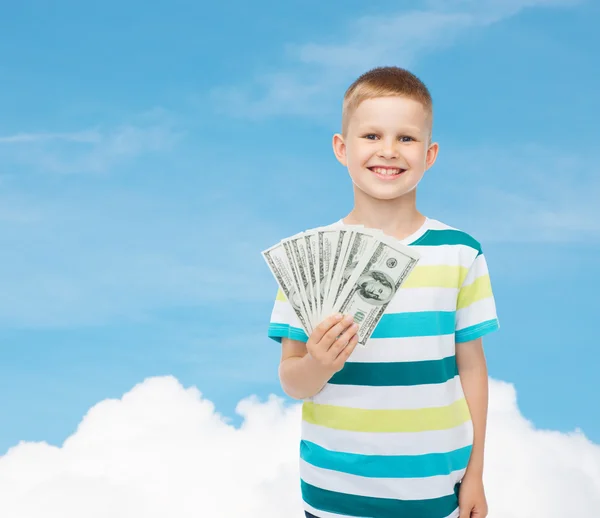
pixel 392 133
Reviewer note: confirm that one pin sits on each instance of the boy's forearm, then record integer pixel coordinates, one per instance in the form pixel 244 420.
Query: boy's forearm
pixel 474 379
pixel 302 377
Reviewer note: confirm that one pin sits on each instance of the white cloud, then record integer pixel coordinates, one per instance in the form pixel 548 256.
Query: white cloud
pixel 163 451
pixel 312 71
pixel 90 136
pixel 93 150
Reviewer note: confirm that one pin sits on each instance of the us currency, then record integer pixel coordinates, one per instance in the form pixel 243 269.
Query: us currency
pixel 332 243
pixel 373 284
pixel 359 245
pixel 299 291
pixel 277 260
pixel 320 267
pixel 311 245
pixel 329 238
pixel 299 254
pixel 344 245
pixel 336 260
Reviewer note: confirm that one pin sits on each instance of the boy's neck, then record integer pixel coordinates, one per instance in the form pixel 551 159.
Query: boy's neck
pixel 395 219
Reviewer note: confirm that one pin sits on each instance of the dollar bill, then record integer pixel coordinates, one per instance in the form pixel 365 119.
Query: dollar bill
pixel 373 284
pixel 298 248
pixel 336 259
pixel 360 244
pixel 277 261
pixel 299 288
pixel 320 267
pixel 311 245
pixel 339 261
pixel 330 240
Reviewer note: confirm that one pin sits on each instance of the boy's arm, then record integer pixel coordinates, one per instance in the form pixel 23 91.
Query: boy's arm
pixel 300 377
pixel 305 368
pixel 473 374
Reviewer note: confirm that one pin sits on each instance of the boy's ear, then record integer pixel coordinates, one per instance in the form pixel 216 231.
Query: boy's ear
pixel 339 149
pixel 432 154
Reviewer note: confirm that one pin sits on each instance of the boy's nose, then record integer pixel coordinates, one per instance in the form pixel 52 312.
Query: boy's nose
pixel 388 150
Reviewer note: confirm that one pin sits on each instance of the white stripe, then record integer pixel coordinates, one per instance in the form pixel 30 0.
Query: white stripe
pixel 409 349
pixel 478 269
pixel 449 255
pixel 432 298
pixel 389 443
pixel 406 300
pixel 398 488
pixel 391 398
pixel 283 313
pixel 480 311
pixel 436 224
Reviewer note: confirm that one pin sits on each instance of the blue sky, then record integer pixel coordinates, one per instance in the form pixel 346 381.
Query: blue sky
pixel 149 152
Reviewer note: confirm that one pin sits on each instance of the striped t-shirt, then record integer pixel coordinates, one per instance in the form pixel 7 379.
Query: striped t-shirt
pixel 390 435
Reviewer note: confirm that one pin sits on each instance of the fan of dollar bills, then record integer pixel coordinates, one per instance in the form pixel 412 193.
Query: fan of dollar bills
pixel 340 268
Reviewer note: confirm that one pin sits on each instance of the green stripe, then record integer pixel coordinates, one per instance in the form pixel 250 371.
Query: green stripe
pixel 436 276
pixel 355 505
pixel 387 421
pixel 386 466
pixel 479 289
pixel 447 237
pixel 393 374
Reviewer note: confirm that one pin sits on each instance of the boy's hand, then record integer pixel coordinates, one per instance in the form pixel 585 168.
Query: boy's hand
pixel 471 498
pixel 332 342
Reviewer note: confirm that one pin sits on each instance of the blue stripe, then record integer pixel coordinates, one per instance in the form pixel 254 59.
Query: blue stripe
pixel 386 466
pixel 477 330
pixel 278 331
pixel 393 325
pixel 416 323
pixel 403 325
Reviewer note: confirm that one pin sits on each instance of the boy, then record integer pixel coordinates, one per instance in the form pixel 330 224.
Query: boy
pixel 395 429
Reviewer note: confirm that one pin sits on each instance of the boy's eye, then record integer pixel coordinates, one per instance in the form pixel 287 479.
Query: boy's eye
pixel 373 136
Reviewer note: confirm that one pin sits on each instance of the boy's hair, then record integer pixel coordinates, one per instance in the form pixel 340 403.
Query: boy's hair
pixel 385 82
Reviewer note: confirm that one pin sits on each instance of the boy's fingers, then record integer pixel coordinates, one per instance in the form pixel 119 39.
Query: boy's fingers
pixel 343 340
pixel 335 332
pixel 347 351
pixel 323 327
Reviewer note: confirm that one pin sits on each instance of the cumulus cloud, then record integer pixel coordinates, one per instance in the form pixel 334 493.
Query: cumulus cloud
pixel 163 451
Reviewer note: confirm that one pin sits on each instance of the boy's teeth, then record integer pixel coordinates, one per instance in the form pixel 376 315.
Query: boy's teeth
pixel 383 170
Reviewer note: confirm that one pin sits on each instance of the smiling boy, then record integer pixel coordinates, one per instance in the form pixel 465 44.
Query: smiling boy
pixel 395 429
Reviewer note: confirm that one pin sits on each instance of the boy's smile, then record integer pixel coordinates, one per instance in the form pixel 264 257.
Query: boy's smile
pixel 387 172
pixel 386 147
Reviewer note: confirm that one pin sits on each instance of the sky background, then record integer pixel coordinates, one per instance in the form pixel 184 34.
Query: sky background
pixel 150 151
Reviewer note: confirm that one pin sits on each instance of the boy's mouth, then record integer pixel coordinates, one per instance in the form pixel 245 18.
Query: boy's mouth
pixel 386 171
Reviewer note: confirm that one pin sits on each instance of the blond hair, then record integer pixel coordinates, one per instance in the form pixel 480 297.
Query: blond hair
pixel 385 82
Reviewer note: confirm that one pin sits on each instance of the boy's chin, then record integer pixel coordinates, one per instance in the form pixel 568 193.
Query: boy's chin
pixel 385 194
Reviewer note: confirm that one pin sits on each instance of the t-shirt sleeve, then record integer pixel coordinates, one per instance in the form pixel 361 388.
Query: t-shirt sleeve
pixel 476 308
pixel 284 321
